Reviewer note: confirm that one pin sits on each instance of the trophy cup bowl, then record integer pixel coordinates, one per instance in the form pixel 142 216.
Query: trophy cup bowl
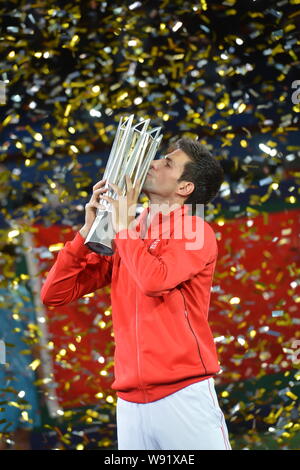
pixel 133 149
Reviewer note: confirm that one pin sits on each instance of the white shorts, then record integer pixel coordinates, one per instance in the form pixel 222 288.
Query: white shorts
pixel 190 418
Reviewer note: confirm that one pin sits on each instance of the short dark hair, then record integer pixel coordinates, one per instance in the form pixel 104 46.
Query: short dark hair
pixel 204 170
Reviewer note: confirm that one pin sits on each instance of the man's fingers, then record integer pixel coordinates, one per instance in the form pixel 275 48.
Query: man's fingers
pixel 128 183
pixel 95 205
pixel 99 184
pixel 108 199
pixel 99 191
pixel 116 188
pixel 138 184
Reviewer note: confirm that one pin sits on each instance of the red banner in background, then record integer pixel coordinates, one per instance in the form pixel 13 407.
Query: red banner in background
pixel 254 310
pixel 80 333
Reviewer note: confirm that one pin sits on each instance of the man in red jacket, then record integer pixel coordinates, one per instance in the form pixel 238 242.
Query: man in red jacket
pixel 165 355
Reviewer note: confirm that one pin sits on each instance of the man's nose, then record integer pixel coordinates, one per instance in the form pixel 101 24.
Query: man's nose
pixel 154 164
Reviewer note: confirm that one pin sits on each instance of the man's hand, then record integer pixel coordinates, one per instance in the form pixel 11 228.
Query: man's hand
pixel 124 208
pixel 92 206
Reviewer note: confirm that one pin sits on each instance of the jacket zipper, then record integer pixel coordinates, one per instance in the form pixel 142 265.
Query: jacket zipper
pixel 186 316
pixel 137 348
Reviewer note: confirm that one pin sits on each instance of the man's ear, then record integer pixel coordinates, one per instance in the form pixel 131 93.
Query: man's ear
pixel 186 188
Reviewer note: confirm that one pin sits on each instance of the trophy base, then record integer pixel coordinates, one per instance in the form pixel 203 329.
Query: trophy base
pixel 100 248
pixel 100 237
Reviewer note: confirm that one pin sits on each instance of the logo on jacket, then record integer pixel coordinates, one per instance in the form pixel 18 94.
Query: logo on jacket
pixel 154 244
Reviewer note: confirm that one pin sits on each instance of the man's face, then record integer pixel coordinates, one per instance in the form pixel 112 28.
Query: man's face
pixel 163 174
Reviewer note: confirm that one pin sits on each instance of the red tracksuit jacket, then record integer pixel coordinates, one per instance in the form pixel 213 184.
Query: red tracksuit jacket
pixel 160 293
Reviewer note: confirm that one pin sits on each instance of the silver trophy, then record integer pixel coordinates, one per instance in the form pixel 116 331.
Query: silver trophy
pixel 133 149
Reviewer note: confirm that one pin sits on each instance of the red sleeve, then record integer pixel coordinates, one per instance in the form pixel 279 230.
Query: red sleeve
pixel 77 271
pixel 176 263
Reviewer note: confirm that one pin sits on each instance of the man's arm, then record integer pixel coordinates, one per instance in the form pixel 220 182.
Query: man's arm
pixel 77 271
pixel 156 275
